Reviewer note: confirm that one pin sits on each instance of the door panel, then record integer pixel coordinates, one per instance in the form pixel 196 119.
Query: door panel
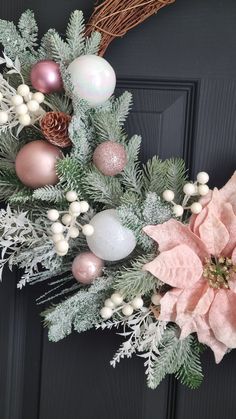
pixel 180 66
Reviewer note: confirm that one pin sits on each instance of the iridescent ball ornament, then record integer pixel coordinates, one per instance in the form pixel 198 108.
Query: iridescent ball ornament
pixel 110 158
pixel 93 78
pixel 35 164
pixel 110 241
pixel 45 76
pixel 86 267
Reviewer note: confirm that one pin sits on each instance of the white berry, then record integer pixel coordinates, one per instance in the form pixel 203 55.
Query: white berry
pixel 127 310
pixel 203 190
pixel 74 232
pixel 16 100
pixel 28 97
pixel 39 97
pixel 196 208
pixel 109 303
pixel 137 303
pixel 53 215
pixel 117 298
pixel 21 109
pixel 189 189
pixel 155 299
pixel 57 237
pixel 23 90
pixel 88 230
pixel 3 117
pixel 24 120
pixel 71 196
pixel 62 246
pixel 202 177
pixel 74 208
pixel 84 206
pixel 57 227
pixel 106 313
pixel 66 219
pixel 33 105
pixel 168 195
pixel 178 210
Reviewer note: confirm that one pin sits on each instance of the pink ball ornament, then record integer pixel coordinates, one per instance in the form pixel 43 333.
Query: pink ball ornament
pixel 86 267
pixel 35 164
pixel 110 158
pixel 46 77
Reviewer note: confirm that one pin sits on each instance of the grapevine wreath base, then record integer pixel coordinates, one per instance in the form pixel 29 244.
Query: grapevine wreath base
pixel 139 249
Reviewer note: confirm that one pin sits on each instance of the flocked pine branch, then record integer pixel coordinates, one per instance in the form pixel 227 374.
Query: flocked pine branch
pixel 75 34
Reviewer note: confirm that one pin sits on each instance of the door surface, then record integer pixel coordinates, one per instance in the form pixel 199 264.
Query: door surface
pixel 180 66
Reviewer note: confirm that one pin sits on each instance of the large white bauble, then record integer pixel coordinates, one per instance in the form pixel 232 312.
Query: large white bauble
pixel 110 241
pixel 93 78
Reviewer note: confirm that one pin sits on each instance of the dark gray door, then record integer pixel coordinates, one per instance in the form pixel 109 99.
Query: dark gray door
pixel 181 68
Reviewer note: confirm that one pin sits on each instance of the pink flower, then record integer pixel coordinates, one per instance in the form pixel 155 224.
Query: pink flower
pixel 199 261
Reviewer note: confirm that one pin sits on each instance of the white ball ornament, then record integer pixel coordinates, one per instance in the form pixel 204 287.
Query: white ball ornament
pixel 93 78
pixel 33 105
pixel 109 303
pixel 57 227
pixel 21 109
pixel 178 210
pixel 84 206
pixel 196 208
pixel 53 215
pixel 23 90
pixel 117 298
pixel 106 313
pixel 66 219
pixel 168 195
pixel 24 120
pixel 62 246
pixel 155 299
pixel 202 177
pixel 3 117
pixel 71 196
pixel 16 100
pixel 137 303
pixel 57 237
pixel 127 310
pixel 39 97
pixel 74 208
pixel 189 189
pixel 74 232
pixel 110 241
pixel 88 230
pixel 203 190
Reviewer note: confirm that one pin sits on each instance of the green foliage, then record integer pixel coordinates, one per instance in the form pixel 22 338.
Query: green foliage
pixel 121 107
pixel 92 43
pixel 49 193
pixel 69 173
pixel 81 135
pixel 29 29
pixel 20 198
pixel 132 280
pixel 75 34
pixel 60 49
pixel 9 147
pixel 190 372
pixel 9 184
pixel 132 175
pixel 107 126
pixel 60 102
pixel 102 189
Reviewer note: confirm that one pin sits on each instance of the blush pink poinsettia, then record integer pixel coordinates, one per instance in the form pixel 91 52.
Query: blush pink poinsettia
pixel 199 261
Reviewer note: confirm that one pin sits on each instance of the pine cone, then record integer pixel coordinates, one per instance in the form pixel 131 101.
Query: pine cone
pixel 54 126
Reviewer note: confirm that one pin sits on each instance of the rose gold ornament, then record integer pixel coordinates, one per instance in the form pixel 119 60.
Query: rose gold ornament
pixel 110 158
pixel 45 76
pixel 86 267
pixel 35 164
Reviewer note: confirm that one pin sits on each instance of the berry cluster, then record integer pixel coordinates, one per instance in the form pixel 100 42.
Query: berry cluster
pixel 116 303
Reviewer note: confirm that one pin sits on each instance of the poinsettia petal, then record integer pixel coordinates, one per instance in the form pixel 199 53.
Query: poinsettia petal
pixel 228 192
pixel 206 336
pixel 168 305
pixel 214 234
pixel 228 218
pixel 195 299
pixel 222 317
pixel 173 233
pixel 232 282
pixel 179 267
pixel 233 256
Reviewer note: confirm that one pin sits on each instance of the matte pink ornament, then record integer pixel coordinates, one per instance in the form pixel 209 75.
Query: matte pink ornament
pixel 35 164
pixel 86 267
pixel 46 77
pixel 110 158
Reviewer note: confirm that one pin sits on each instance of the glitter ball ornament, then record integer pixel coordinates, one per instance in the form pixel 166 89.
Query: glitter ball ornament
pixel 54 126
pixel 86 267
pixel 110 240
pixel 93 78
pixel 46 77
pixel 110 158
pixel 35 164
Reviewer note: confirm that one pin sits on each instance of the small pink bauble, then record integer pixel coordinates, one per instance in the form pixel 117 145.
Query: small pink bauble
pixel 35 164
pixel 110 158
pixel 46 77
pixel 86 267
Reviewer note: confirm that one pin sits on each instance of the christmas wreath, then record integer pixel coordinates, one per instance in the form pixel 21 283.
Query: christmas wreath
pixel 137 248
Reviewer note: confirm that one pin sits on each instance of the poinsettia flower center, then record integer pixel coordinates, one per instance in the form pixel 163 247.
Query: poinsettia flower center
pixel 218 271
